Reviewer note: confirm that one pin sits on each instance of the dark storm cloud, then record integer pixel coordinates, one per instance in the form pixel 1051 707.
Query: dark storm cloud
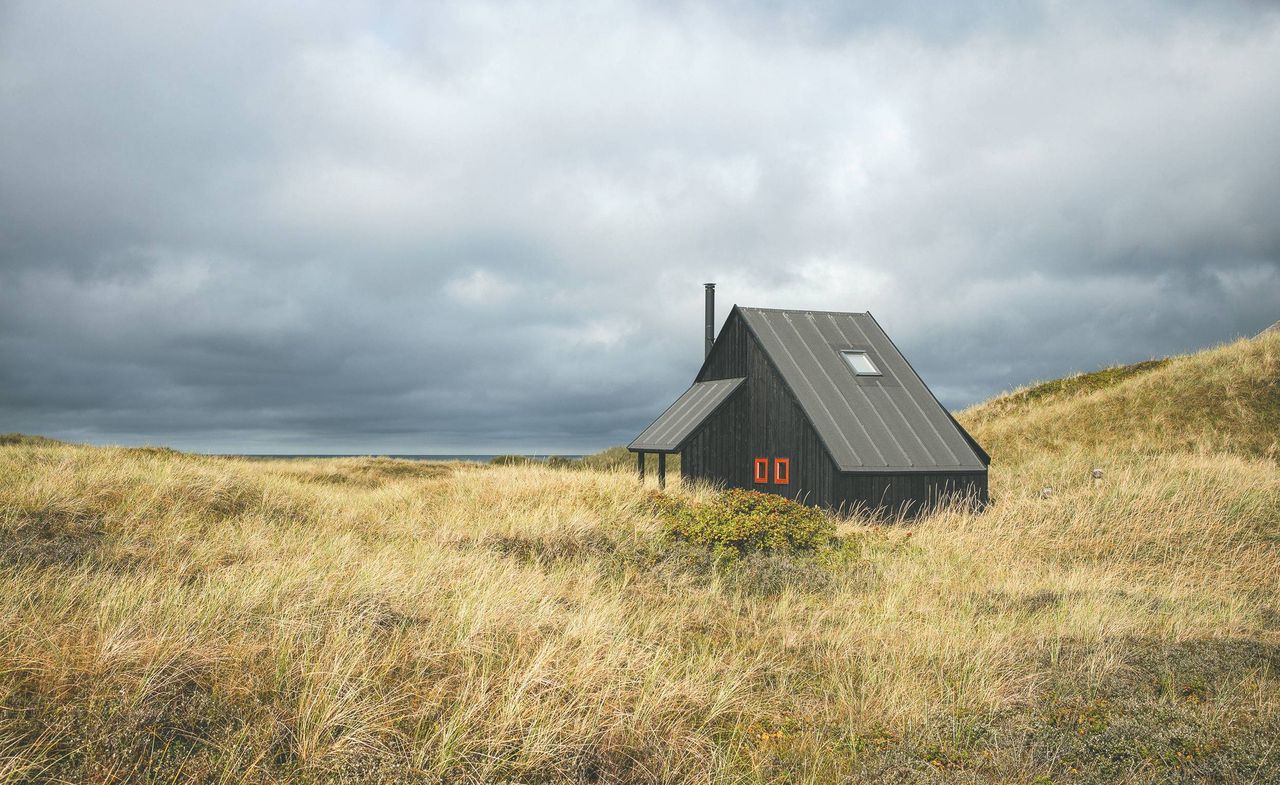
pixel 484 227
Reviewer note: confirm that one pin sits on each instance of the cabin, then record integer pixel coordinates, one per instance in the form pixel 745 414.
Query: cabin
pixel 821 407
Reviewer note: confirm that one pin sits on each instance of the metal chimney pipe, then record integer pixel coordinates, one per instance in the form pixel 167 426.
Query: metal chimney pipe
pixel 711 316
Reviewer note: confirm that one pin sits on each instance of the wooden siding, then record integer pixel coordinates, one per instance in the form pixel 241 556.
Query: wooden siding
pixel 908 493
pixel 715 451
pixel 764 420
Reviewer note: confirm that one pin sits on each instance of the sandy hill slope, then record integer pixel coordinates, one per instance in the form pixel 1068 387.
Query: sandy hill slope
pixel 1225 399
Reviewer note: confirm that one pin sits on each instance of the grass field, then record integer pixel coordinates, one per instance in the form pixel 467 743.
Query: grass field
pixel 174 618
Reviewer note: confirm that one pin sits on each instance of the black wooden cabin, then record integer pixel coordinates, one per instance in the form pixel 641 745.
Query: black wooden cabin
pixel 820 407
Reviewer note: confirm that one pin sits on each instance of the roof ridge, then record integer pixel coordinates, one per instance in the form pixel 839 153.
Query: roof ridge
pixel 803 310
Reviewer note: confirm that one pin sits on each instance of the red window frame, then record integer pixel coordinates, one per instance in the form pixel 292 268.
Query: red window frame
pixel 762 470
pixel 782 471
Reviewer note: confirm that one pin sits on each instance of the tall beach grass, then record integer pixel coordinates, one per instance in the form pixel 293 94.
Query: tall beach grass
pixel 175 618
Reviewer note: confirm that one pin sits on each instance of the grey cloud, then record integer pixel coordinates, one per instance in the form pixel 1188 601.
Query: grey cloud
pixel 484 227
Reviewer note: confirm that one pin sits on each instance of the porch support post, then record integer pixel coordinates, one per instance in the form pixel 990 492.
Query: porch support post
pixel 662 470
pixel 640 465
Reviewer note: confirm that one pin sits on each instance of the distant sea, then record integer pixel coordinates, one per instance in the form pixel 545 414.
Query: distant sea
pixel 475 458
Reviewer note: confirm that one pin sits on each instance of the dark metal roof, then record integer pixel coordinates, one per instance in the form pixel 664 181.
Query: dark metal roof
pixel 890 422
pixel 669 431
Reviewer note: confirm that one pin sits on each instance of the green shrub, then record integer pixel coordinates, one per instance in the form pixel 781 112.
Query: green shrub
pixel 551 461
pixel 746 522
pixel 622 459
pixel 26 440
pixel 512 460
pixel 612 459
pixel 1086 382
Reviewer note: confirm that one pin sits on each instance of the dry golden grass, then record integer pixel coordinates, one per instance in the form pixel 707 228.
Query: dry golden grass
pixel 175 618
pixel 1223 400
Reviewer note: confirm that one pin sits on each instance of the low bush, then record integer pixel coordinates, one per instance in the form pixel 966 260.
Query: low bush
pixel 27 440
pixel 612 459
pixel 619 458
pixel 512 460
pixel 551 461
pixel 743 522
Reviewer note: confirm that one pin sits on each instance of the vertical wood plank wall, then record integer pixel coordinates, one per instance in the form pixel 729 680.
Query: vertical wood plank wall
pixel 764 420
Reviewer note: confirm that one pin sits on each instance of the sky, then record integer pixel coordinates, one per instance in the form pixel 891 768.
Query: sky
pixel 484 227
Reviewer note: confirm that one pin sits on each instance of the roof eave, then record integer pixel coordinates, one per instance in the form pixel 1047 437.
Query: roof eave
pixel 632 448
pixel 880 470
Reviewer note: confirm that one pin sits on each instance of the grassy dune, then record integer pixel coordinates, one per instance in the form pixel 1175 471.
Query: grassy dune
pixel 174 618
pixel 1226 400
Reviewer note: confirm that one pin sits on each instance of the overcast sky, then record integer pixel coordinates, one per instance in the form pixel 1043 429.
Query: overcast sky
pixel 472 227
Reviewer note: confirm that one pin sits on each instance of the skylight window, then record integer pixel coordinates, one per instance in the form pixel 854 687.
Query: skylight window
pixel 860 363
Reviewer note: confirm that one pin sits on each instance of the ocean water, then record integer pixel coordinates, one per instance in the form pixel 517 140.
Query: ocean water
pixel 478 458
